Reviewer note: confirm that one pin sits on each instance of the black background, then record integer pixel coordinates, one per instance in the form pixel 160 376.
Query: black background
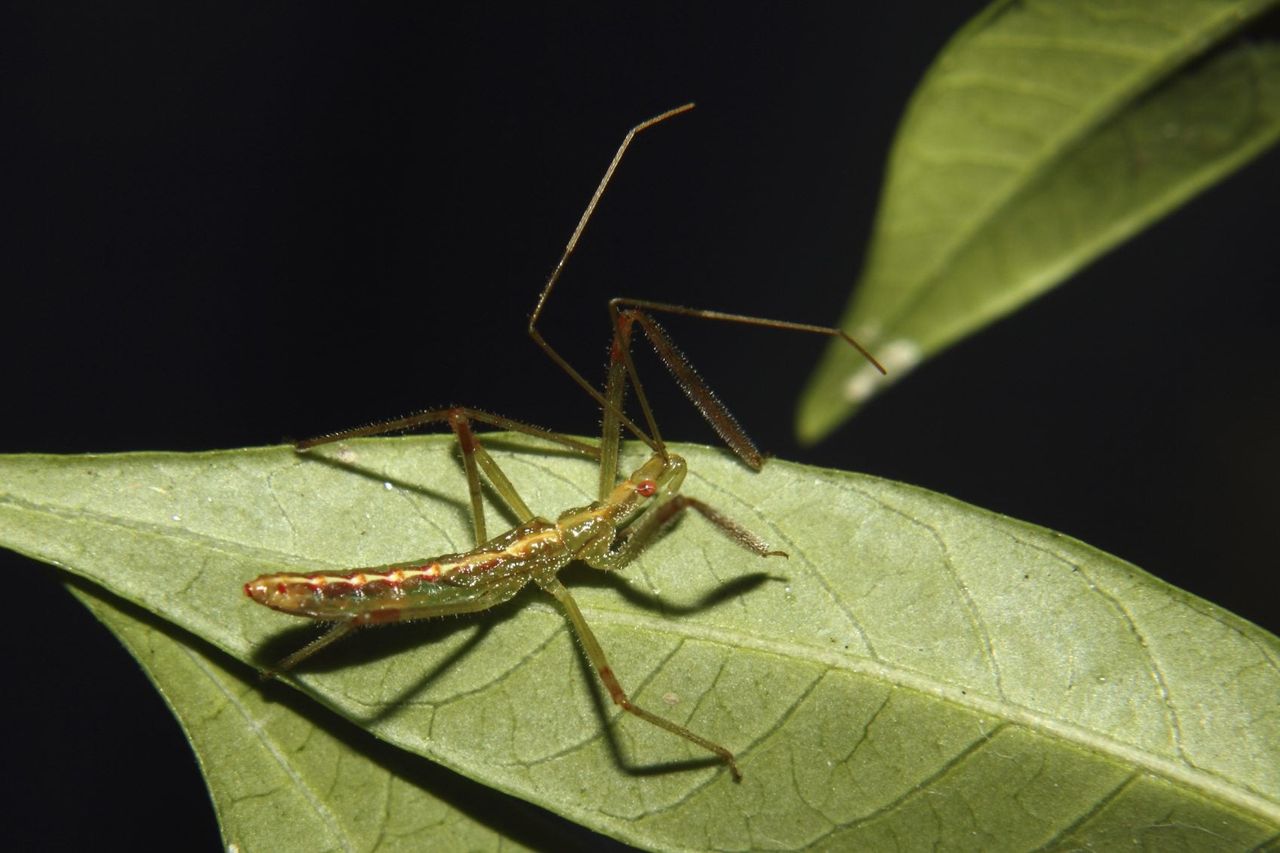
pixel 228 227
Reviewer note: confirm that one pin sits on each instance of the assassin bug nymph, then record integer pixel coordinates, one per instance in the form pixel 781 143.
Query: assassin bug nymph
pixel 606 534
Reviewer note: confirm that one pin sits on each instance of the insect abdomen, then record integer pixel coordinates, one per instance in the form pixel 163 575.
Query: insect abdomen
pixel 416 589
pixel 343 595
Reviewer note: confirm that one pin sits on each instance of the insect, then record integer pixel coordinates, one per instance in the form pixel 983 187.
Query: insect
pixel 606 534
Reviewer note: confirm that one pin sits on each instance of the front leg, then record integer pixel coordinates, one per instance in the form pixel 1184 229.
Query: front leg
pixel 615 554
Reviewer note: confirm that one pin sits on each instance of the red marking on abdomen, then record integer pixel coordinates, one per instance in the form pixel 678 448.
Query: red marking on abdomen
pixel 335 590
pixel 379 588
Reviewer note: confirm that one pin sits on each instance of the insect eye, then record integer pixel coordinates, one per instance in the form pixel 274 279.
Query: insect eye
pixel 646 488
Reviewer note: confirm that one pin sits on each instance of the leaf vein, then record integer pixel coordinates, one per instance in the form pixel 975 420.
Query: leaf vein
pixel 317 803
pixel 1059 838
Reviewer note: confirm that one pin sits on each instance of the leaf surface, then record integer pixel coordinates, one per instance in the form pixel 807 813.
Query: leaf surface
pixel 286 775
pixel 1042 136
pixel 918 672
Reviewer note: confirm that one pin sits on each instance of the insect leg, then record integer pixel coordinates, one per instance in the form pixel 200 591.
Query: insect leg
pixel 638 536
pixel 468 445
pixel 431 416
pixel 536 335
pixel 626 312
pixel 473 454
pixel 693 385
pixel 597 657
pixel 337 632
pixel 622 303
pixel 615 389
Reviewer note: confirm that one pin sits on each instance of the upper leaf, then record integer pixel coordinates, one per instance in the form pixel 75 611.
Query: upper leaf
pixel 1042 136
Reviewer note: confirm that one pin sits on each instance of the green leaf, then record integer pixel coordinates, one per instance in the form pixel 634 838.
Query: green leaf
pixel 918 672
pixel 286 775
pixel 1043 135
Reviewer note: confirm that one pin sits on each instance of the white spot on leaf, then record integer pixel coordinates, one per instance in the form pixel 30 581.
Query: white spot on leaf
pixel 897 357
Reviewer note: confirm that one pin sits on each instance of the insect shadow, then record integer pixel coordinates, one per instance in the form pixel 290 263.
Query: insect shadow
pixel 462 508
pixel 510 816
pixel 721 593
pixel 455 504
pixel 412 635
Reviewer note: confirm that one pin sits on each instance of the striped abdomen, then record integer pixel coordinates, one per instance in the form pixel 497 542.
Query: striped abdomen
pixel 418 589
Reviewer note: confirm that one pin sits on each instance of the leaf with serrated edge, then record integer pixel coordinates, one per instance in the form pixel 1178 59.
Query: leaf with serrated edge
pixel 1042 136
pixel 918 670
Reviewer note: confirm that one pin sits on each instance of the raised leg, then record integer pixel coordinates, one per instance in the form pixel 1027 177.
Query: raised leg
pixel 626 312
pixel 693 386
pixel 597 657
pixel 615 388
pixel 622 302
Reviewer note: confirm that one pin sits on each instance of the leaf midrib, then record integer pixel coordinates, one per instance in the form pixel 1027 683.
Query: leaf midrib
pixel 1002 709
